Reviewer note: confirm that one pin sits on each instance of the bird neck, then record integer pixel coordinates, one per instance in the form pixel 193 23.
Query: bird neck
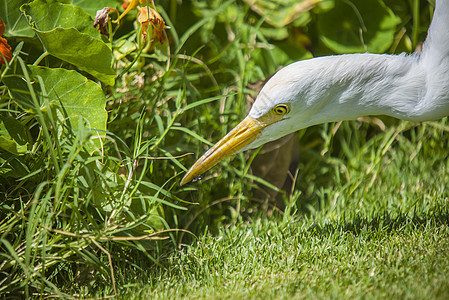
pixel 436 46
pixel 367 84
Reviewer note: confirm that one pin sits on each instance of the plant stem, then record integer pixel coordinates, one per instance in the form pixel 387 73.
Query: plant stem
pixel 40 58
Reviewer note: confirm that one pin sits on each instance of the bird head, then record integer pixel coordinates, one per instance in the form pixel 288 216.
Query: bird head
pixel 287 103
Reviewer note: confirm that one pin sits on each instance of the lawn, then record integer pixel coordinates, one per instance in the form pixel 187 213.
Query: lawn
pixel 373 257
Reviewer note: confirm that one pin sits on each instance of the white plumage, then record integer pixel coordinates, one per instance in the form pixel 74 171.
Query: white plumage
pixel 333 88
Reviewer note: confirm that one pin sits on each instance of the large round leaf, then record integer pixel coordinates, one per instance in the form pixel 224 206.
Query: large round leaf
pixel 67 33
pixel 16 24
pixel 74 93
pixel 13 136
pixel 79 96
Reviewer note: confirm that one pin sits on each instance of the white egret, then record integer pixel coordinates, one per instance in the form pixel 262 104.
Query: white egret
pixel 333 88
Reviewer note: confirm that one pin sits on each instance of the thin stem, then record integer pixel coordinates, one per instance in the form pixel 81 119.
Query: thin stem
pixel 40 58
pixel 166 131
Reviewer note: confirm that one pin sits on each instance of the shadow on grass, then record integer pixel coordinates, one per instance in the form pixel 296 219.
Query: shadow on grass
pixel 385 222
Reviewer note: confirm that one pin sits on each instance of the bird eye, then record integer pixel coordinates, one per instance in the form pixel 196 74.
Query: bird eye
pixel 281 109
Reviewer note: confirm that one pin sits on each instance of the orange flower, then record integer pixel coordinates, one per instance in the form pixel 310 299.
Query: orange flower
pixel 130 4
pixel 5 49
pixel 147 16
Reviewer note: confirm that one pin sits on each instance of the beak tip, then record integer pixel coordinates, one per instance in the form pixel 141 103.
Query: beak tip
pixel 187 178
pixel 184 180
pixel 238 138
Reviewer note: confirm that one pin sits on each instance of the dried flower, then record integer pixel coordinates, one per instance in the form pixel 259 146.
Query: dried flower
pixel 147 16
pixel 101 20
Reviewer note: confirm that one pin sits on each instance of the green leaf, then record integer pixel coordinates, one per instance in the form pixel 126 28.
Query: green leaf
pixel 78 95
pixel 16 24
pixel 48 14
pixel 18 88
pixel 358 26
pixel 91 7
pixel 81 50
pixel 67 33
pixel 13 137
pixel 12 165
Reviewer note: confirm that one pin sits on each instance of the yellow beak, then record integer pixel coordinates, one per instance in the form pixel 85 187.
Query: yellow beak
pixel 242 135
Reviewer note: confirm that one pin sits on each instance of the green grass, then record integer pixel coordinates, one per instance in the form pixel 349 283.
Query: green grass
pixel 384 256
pixel 364 258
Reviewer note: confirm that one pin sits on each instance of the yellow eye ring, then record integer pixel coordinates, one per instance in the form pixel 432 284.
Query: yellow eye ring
pixel 281 109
